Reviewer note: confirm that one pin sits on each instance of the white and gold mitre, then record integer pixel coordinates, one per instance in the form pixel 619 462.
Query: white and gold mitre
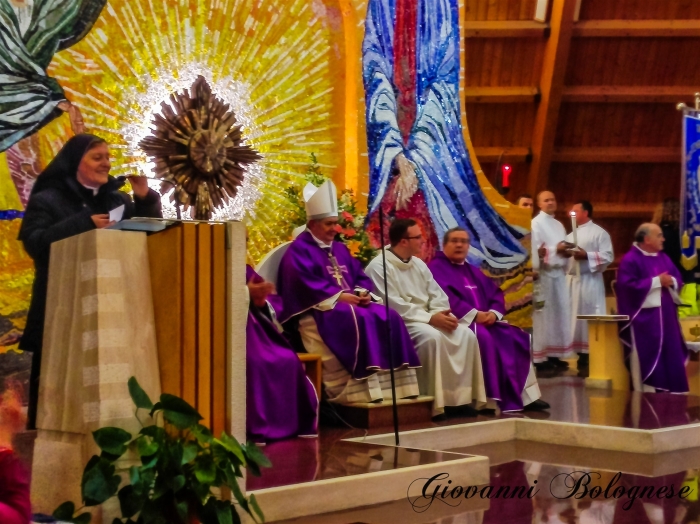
pixel 321 202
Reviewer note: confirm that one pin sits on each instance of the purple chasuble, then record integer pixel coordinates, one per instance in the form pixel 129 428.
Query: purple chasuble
pixel 504 349
pixel 355 335
pixel 657 331
pixel 281 401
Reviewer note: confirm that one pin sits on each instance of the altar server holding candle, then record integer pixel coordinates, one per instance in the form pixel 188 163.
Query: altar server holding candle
pixel 551 326
pixel 591 257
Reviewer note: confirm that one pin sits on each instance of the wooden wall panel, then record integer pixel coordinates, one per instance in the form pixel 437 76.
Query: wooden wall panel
pixel 204 321
pixel 494 125
pixel 188 279
pixel 218 329
pixel 618 125
pixel 621 183
pixel 499 9
pixel 189 315
pixel 503 61
pixel 639 9
pixel 634 62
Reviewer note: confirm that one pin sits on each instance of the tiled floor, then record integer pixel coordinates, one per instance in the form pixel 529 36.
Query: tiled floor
pixel 514 463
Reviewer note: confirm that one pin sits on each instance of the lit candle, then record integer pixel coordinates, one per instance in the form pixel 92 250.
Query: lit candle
pixel 573 231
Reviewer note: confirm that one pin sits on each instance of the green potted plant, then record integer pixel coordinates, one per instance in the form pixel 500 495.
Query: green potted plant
pixel 181 462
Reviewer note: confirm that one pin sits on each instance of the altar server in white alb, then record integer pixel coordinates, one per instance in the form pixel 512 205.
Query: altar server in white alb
pixel 551 326
pixel 586 287
pixel 448 349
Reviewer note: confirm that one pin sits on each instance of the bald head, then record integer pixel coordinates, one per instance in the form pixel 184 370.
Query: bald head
pixel 649 237
pixel 547 202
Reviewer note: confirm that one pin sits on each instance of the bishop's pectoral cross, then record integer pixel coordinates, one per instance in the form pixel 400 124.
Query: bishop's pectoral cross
pixel 336 271
pixel 467 285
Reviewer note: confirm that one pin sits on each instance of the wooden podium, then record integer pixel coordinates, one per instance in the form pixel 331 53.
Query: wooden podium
pixel 169 309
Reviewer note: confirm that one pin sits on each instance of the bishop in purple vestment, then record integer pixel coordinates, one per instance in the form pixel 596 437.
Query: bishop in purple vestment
pixel 321 283
pixel 281 401
pixel 646 289
pixel 476 300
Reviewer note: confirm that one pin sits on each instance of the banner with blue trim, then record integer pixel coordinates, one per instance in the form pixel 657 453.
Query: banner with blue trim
pixel 690 201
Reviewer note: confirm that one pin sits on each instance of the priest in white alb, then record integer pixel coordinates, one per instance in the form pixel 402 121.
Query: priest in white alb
pixel 448 350
pixel 551 325
pixel 593 255
pixel 327 295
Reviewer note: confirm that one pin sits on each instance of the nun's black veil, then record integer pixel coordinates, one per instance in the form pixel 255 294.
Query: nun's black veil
pixel 65 163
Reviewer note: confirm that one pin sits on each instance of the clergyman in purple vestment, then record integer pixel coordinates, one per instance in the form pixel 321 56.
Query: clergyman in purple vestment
pixel 477 301
pixel 646 289
pixel 281 401
pixel 323 285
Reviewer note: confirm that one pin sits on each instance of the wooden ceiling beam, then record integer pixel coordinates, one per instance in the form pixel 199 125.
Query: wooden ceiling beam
pixel 505 29
pixel 630 94
pixel 556 56
pixel 626 155
pixel 637 28
pixel 501 95
pixel 511 154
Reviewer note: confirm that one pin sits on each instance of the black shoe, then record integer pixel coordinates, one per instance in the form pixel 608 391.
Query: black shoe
pixel 487 412
pixel 537 405
pixel 558 363
pixel 439 418
pixel 582 361
pixel 461 411
pixel 544 366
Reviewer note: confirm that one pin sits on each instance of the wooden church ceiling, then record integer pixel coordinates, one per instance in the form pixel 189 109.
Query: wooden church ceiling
pixel 584 104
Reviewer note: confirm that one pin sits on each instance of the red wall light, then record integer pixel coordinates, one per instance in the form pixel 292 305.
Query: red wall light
pixel 506 171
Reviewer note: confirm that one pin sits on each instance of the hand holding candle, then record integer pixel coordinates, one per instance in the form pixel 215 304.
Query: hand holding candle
pixel 575 238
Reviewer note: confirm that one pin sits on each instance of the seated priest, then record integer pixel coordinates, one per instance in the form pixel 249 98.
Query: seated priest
pixel 647 291
pixel 478 303
pixel 448 350
pixel 281 401
pixel 324 288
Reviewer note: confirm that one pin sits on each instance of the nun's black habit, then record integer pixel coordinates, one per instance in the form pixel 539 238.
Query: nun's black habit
pixel 60 207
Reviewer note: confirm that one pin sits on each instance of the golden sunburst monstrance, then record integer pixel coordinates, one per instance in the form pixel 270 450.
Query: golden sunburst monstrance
pixel 196 147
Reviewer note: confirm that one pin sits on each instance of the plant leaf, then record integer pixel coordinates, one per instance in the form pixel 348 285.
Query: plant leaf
pixel 112 440
pixel 254 454
pixel 64 511
pixel 202 434
pixel 178 412
pixel 189 452
pixel 232 483
pixel 182 510
pixel 146 446
pixel 99 483
pixel 177 483
pixel 223 511
pixel 134 475
pixel 205 469
pixel 138 395
pixel 129 501
pixel 256 508
pixel 232 445
pixel 155 408
pixel 149 462
pixel 83 518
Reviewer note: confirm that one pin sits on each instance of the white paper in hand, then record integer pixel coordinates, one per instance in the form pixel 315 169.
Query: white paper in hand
pixel 116 214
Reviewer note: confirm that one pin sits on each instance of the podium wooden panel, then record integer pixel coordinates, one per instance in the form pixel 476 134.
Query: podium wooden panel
pixel 188 278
